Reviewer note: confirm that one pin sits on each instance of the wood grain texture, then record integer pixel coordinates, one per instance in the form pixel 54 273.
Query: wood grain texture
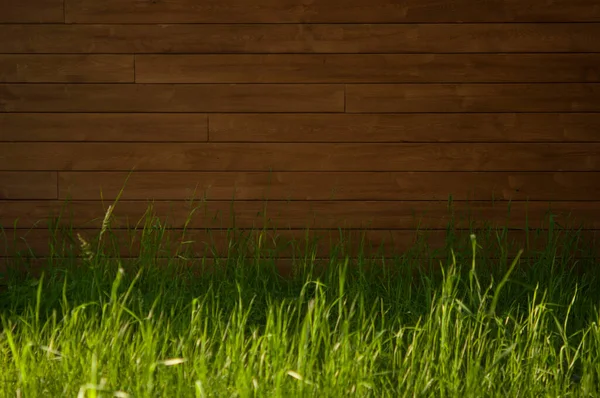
pixel 32 11
pixel 171 98
pixel 299 157
pixel 286 267
pixel 66 68
pixel 28 185
pixel 298 214
pixel 371 68
pixel 408 98
pixel 432 127
pixel 286 244
pixel 540 186
pixel 577 261
pixel 103 127
pixel 297 38
pixel 353 114
pixel 216 243
pixel 323 11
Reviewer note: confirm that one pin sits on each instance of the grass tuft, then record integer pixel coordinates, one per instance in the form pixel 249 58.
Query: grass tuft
pixel 165 321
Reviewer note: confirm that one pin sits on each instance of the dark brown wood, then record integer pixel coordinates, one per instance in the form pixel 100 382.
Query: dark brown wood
pixel 287 243
pixel 323 11
pixel 171 98
pixel 300 214
pixel 299 157
pixel 288 267
pixel 28 185
pixel 577 261
pixel 103 127
pixel 409 98
pixel 540 186
pixel 345 113
pixel 432 127
pixel 278 38
pixel 32 11
pixel 368 68
pixel 196 267
pixel 66 68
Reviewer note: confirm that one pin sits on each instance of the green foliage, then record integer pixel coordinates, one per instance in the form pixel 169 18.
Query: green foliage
pixel 96 324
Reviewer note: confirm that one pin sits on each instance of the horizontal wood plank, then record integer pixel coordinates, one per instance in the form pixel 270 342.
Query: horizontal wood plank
pixel 170 98
pixel 336 11
pixel 576 261
pixel 300 214
pixel 371 68
pixel 299 157
pixel 18 68
pixel 300 38
pixel 103 127
pixel 288 243
pixel 540 186
pixel 28 185
pixel 433 127
pixel 408 98
pixel 32 11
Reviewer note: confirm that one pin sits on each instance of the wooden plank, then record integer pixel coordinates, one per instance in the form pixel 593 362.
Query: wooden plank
pixel 204 243
pixel 286 267
pixel 427 264
pixel 435 127
pixel 546 186
pixel 301 214
pixel 372 68
pixel 171 98
pixel 32 11
pixel 365 98
pixel 288 243
pixel 299 157
pixel 103 127
pixel 300 38
pixel 66 68
pixel 328 11
pixel 408 98
pixel 28 185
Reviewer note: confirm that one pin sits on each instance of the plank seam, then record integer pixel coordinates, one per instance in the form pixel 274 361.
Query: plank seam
pixel 298 142
pixel 207 128
pixel 482 22
pixel 300 53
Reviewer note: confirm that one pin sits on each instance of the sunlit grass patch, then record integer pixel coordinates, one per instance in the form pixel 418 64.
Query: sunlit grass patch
pixel 166 321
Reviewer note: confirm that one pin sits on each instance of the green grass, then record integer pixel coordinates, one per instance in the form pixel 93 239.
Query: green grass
pixel 468 326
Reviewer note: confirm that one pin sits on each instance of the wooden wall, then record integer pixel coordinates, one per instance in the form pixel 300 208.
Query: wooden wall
pixel 342 113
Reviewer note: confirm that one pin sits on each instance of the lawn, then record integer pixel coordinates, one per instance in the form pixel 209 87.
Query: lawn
pixel 460 323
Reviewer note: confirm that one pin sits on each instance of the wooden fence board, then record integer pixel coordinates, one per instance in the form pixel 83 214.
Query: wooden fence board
pixel 28 185
pixel 288 243
pixel 544 186
pixel 364 98
pixel 408 98
pixel 368 68
pixel 99 127
pixel 299 157
pixel 340 11
pixel 171 98
pixel 343 112
pixel 32 11
pixel 89 214
pixel 66 68
pixel 419 127
pixel 277 38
